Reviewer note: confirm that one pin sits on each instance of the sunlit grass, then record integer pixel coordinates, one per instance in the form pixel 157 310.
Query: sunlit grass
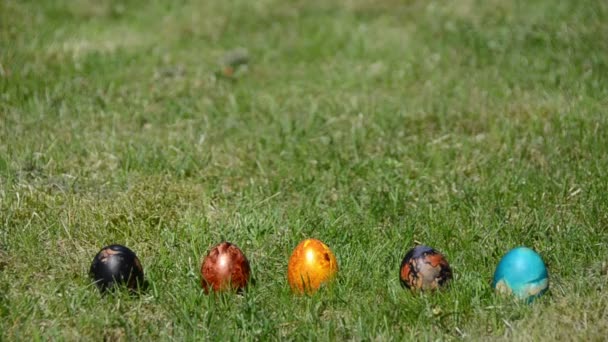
pixel 473 127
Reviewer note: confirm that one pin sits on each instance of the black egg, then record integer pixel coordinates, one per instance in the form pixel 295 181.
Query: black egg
pixel 117 265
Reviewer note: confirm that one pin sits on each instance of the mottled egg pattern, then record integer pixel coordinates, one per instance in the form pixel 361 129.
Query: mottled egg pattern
pixel 423 268
pixel 225 268
pixel 116 265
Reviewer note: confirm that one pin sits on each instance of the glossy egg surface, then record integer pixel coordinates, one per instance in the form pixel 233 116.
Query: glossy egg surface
pixel 311 265
pixel 225 268
pixel 116 265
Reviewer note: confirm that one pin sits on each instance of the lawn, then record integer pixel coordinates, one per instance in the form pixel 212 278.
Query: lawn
pixel 470 126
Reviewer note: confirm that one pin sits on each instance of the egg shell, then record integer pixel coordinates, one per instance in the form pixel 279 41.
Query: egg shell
pixel 522 273
pixel 424 268
pixel 116 265
pixel 311 265
pixel 225 268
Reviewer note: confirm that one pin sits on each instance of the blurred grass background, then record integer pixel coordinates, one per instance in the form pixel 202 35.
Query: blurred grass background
pixel 470 126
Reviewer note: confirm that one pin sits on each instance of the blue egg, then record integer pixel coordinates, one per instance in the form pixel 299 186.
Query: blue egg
pixel 522 273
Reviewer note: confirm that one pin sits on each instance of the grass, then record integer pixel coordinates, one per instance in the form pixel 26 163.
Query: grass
pixel 470 126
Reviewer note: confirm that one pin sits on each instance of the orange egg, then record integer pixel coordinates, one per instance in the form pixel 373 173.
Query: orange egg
pixel 311 264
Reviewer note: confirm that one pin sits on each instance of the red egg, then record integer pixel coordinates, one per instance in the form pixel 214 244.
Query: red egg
pixel 225 268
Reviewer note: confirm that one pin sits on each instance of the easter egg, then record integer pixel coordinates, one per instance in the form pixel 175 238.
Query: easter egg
pixel 521 273
pixel 423 268
pixel 116 265
pixel 225 268
pixel 311 265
